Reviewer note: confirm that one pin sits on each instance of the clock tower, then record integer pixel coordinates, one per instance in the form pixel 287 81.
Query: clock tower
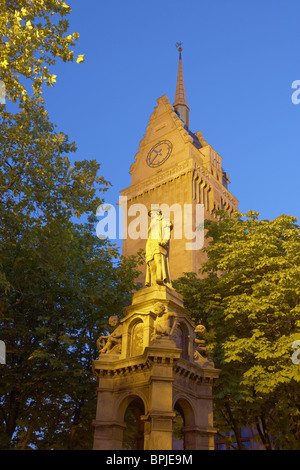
pixel 177 169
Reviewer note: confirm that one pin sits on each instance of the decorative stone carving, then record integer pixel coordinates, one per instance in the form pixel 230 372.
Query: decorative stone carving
pixel 201 138
pixel 159 179
pixel 157 250
pixel 200 353
pixel 157 365
pixel 165 322
pixel 113 342
pixel 137 345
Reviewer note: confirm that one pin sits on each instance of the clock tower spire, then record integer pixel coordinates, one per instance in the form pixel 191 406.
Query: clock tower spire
pixel 176 169
pixel 180 102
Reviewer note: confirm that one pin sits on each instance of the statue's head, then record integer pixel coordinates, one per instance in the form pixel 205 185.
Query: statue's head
pixel 155 213
pixel 200 329
pixel 159 308
pixel 113 320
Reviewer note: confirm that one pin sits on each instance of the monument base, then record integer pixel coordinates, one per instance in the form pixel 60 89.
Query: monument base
pixel 155 376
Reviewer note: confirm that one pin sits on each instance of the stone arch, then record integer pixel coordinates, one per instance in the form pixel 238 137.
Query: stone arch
pixel 184 408
pixel 125 400
pixel 130 409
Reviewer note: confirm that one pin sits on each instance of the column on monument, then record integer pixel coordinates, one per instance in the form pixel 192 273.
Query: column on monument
pixel 108 434
pixel 196 438
pixel 195 404
pixel 161 415
pixel 203 435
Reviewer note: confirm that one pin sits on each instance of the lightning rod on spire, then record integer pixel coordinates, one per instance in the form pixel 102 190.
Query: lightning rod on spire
pixel 178 45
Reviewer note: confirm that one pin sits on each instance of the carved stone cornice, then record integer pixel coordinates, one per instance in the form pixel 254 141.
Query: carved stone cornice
pixel 120 368
pixel 194 373
pixel 162 351
pixel 190 165
pixel 160 178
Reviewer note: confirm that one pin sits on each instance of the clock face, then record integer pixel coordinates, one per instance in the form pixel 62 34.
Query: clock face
pixel 159 153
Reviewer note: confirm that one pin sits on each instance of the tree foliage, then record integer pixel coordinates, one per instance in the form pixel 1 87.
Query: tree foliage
pixel 59 283
pixel 63 285
pixel 249 301
pixel 33 35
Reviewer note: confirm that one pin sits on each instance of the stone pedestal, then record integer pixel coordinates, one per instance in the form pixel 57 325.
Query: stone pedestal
pixel 157 373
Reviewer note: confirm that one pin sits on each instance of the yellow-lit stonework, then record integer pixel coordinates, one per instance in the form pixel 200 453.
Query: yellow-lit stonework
pixel 158 367
pixel 192 174
pixel 155 361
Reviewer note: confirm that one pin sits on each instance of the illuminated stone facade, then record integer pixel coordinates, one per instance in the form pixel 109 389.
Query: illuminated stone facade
pixel 186 171
pixel 158 369
pixel 154 363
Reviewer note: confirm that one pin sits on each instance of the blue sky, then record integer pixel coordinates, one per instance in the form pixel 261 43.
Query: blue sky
pixel 240 59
